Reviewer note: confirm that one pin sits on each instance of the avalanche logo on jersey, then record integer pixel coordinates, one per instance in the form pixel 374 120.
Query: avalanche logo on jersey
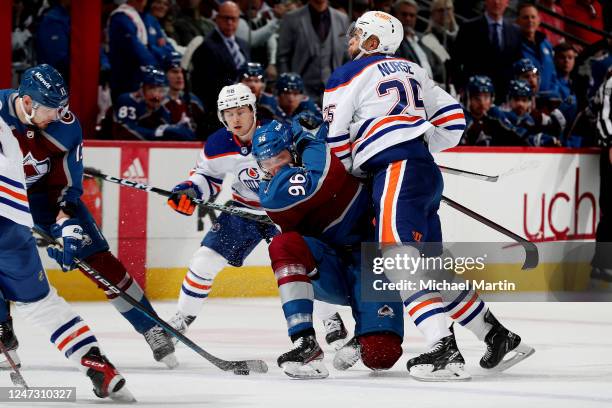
pixel 34 169
pixel 250 177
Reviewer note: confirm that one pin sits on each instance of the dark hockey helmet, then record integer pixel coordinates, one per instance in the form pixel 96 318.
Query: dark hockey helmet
pixel 251 69
pixel 45 86
pixel 480 84
pixel 153 76
pixel 289 81
pixel 523 65
pixel 269 141
pixel 171 60
pixel 519 88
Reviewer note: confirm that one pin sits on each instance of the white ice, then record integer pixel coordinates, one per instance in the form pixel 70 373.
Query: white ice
pixel 572 366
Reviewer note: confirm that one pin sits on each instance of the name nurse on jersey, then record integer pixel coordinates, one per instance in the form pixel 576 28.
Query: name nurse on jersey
pixel 391 67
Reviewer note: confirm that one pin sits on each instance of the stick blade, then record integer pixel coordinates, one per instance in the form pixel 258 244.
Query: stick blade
pixel 246 366
pixel 18 380
pixel 532 257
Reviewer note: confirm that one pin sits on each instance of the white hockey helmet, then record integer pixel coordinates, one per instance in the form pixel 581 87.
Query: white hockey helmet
pixel 384 26
pixel 234 96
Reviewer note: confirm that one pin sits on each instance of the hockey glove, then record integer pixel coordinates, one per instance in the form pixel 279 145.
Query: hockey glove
pixel 71 233
pixel 182 197
pixel 309 120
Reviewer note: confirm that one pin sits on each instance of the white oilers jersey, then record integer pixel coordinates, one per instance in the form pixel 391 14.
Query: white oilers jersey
pixel 13 197
pixel 224 154
pixel 377 102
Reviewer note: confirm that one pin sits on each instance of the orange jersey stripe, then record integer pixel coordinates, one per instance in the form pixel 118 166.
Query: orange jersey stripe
pixel 386 223
pixel 196 285
pixel 13 194
pixel 448 119
pixel 465 307
pixel 400 118
pixel 423 304
pixel 72 336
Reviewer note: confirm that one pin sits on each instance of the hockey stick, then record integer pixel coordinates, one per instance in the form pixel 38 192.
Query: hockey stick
pixel 470 174
pixel 241 367
pixel 16 376
pixel 206 204
pixel 531 250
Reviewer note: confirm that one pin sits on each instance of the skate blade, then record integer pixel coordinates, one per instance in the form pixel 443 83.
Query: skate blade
pixel 123 395
pixel 310 371
pixel 170 361
pixel 521 352
pixel 5 365
pixel 345 358
pixel 452 372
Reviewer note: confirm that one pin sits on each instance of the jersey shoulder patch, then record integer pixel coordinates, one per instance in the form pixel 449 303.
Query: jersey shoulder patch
pixel 221 143
pixel 67 131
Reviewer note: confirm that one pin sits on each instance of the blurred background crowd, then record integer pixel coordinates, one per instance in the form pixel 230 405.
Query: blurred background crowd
pixel 526 72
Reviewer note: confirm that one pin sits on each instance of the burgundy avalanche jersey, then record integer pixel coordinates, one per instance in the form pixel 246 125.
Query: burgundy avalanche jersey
pixel 53 157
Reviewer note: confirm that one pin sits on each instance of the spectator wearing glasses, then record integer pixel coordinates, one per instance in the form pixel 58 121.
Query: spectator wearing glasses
pixel 217 60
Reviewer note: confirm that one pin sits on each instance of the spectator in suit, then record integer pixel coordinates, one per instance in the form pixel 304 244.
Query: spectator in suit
pixel 536 46
pixel 488 45
pixel 312 43
pixel 411 47
pixel 128 47
pixel 217 60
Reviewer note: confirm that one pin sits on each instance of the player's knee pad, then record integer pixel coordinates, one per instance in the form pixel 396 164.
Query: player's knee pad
pixel 108 265
pixel 380 351
pixel 49 312
pixel 206 263
pixel 290 248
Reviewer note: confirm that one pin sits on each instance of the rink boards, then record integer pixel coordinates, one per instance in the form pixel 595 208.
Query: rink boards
pixel 546 195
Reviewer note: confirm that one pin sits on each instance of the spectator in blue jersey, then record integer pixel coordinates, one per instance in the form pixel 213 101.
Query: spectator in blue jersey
pixel 520 101
pixel 141 116
pixel 53 38
pixel 572 86
pixel 182 105
pixel 159 45
pixel 536 46
pixel 128 47
pixel 253 75
pixel 216 62
pixel 486 124
pixel 291 98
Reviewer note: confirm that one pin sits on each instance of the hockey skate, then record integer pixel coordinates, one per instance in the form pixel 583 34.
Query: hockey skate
pixel 335 332
pixel 501 342
pixel 181 323
pixel 443 362
pixel 105 378
pixel 161 345
pixel 7 335
pixel 348 355
pixel 305 361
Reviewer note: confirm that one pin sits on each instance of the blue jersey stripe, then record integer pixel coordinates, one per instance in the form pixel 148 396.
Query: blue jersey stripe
pixel 79 345
pixel 454 127
pixel 473 314
pixel 62 329
pixel 11 182
pixel 458 300
pixel 337 139
pixel 428 314
pixel 193 294
pixel 417 295
pixel 383 132
pixel 363 127
pixel 446 109
pixel 14 205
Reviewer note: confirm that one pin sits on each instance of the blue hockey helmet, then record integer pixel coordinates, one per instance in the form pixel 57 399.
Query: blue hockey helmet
pixel 289 81
pixel 269 141
pixel 522 66
pixel 251 69
pixel 153 76
pixel 45 86
pixel 480 84
pixel 171 60
pixel 519 88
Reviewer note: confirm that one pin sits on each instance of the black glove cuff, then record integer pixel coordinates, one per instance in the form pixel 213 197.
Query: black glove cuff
pixel 68 208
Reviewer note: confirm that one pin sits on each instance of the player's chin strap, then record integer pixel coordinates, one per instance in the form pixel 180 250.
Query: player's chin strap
pixel 28 117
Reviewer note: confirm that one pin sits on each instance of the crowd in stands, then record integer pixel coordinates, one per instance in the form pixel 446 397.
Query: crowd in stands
pixel 525 76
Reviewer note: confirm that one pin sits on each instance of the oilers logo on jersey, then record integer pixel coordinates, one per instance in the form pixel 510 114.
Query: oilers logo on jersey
pixel 250 177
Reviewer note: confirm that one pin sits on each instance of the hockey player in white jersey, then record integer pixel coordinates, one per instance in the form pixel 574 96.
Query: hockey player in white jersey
pixel 386 117
pixel 232 238
pixel 23 281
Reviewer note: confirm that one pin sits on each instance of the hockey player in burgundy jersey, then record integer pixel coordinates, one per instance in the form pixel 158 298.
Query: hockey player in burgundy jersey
pixel 51 140
pixel 324 214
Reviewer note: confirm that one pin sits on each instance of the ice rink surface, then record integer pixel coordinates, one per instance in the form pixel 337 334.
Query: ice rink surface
pixel 572 366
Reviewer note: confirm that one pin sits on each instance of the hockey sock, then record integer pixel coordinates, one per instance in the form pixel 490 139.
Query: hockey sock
pixel 468 309
pixel 112 269
pixel 204 266
pixel 69 333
